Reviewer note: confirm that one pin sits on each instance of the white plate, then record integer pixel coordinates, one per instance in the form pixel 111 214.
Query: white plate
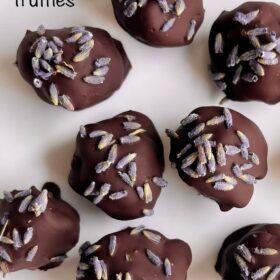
pixel 37 140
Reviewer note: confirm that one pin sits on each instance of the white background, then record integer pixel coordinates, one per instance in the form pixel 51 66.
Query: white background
pixel 37 140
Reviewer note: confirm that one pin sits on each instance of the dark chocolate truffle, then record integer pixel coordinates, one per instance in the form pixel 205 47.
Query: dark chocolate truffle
pixel 221 153
pixel 72 67
pixel 38 228
pixel 251 253
pixel 118 165
pixel 244 49
pixel 136 254
pixel 160 23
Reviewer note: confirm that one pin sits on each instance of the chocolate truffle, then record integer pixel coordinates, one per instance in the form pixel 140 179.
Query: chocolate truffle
pixel 244 48
pixel 38 228
pixel 134 253
pixel 221 153
pixel 160 23
pixel 251 253
pixel 72 67
pixel 118 165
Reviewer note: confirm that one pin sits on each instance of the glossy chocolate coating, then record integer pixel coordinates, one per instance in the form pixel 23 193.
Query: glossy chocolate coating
pixel 145 25
pixel 55 231
pixel 130 257
pixel 149 161
pixel 266 89
pixel 242 192
pixel 81 94
pixel 263 243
